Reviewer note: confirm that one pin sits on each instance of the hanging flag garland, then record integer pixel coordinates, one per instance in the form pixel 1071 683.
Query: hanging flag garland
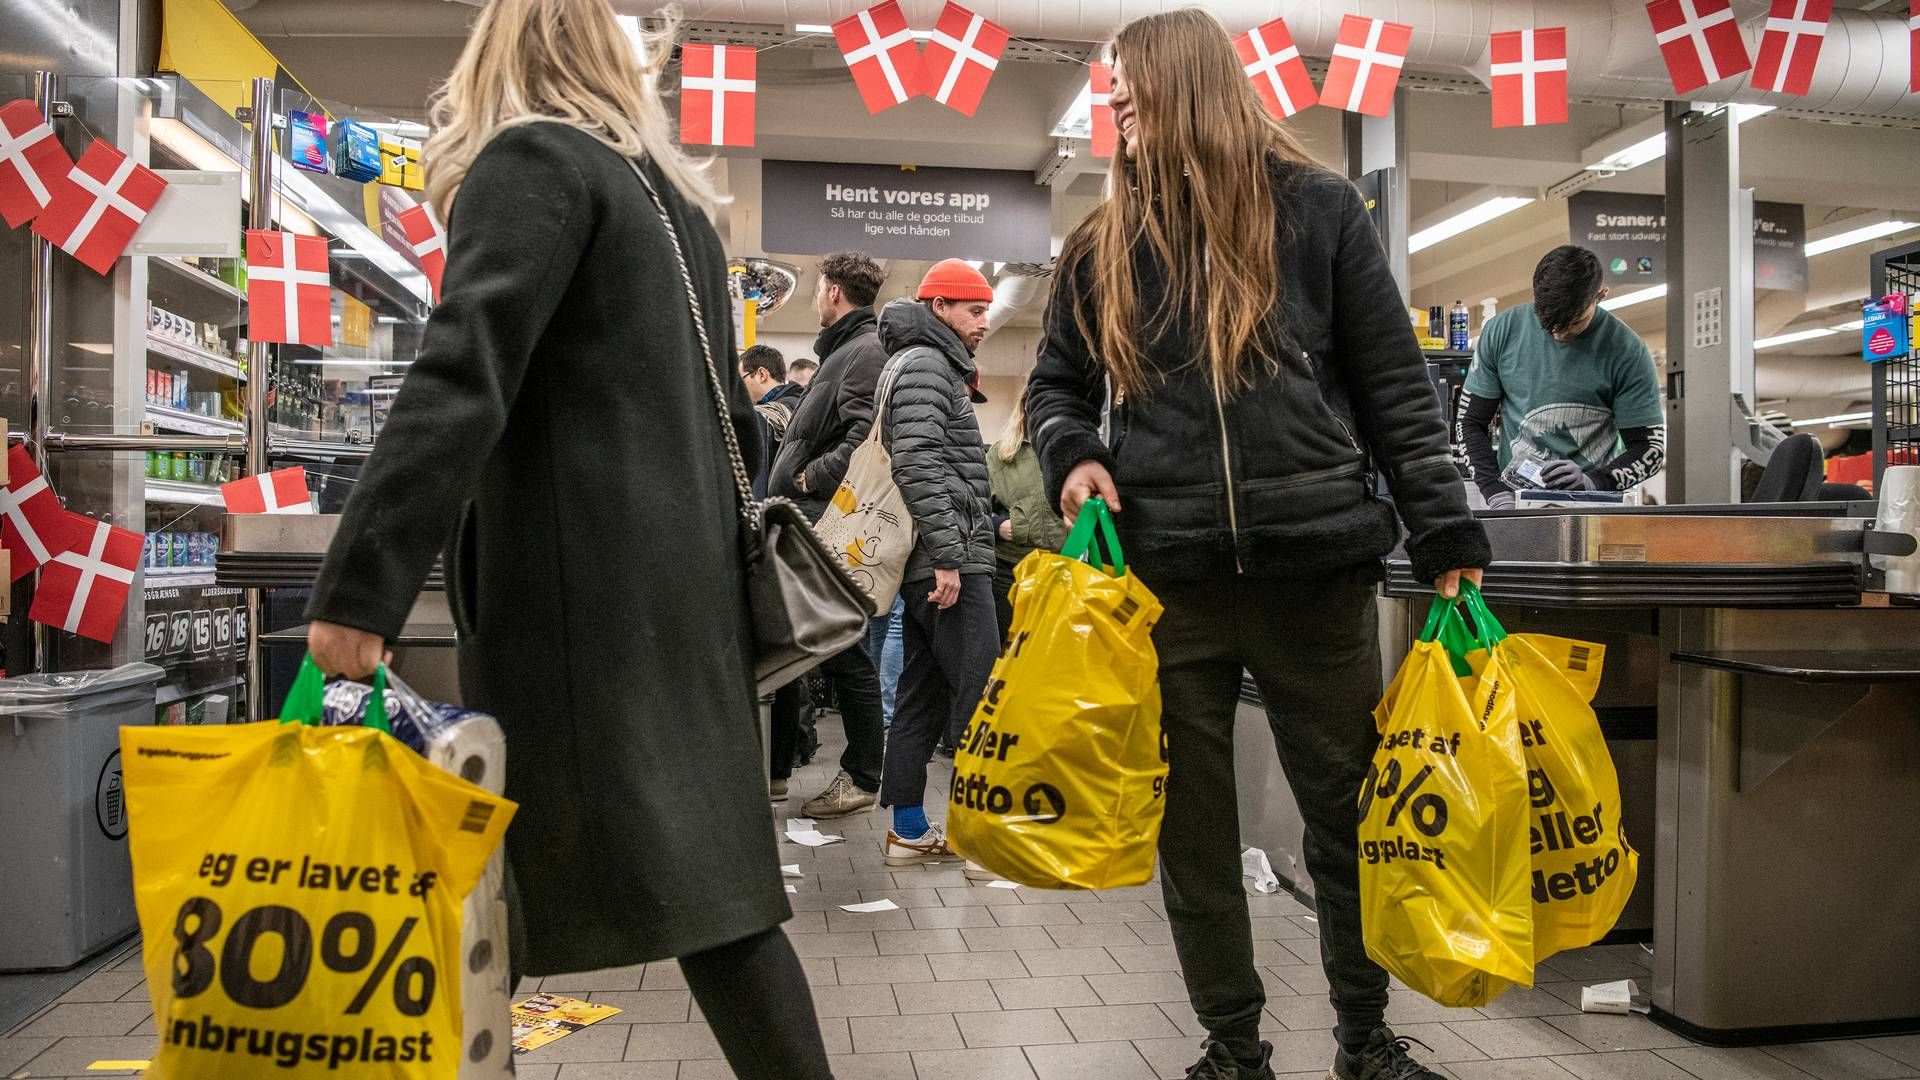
pixel 1790 45
pixel 1913 45
pixel 32 162
pixel 1100 86
pixel 34 527
pixel 1278 72
pixel 718 86
pixel 289 292
pixel 283 491
pixel 961 57
pixel 94 215
pixel 1700 41
pixel 1529 77
pixel 1365 69
pixel 428 242
pixel 881 53
pixel 85 588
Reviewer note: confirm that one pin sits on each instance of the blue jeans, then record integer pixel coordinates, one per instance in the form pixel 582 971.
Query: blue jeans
pixel 884 646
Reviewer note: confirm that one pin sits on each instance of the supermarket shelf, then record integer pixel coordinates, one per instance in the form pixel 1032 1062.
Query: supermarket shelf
pixel 168 694
pixel 211 283
pixel 184 494
pixel 200 358
pixel 179 575
pixel 166 419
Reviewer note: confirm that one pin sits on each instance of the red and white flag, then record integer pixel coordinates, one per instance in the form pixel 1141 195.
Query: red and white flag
pixel 718 84
pixel 1365 69
pixel 84 589
pixel 1790 45
pixel 283 491
pixel 1530 77
pixel 1700 41
pixel 1913 45
pixel 1100 87
pixel 882 55
pixel 94 216
pixel 428 241
pixel 1275 66
pixel 34 527
pixel 961 57
pixel 289 291
pixel 32 163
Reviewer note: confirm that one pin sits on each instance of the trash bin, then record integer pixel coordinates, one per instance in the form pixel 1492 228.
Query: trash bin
pixel 66 883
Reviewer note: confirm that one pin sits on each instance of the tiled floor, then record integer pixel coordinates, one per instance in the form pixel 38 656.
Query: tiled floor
pixel 972 982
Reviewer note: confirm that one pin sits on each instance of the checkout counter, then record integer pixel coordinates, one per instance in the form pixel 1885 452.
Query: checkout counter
pixel 1762 702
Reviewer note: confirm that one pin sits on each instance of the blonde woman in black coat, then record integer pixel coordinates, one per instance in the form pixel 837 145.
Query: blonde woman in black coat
pixel 602 614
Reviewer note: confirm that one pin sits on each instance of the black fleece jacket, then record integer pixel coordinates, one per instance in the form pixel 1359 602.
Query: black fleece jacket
pixel 1278 478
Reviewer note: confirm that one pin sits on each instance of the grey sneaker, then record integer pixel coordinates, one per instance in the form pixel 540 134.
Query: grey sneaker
pixel 1385 1057
pixel 1216 1063
pixel 842 797
pixel 777 790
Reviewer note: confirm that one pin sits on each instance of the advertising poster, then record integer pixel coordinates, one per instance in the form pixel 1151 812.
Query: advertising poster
pixel 812 208
pixel 1629 233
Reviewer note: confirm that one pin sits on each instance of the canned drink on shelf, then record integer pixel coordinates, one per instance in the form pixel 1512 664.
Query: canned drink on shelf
pixel 177 550
pixel 178 469
pixel 197 468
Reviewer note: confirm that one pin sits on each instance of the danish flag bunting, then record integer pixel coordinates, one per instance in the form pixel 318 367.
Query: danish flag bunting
pixel 84 589
pixel 961 58
pixel 717 89
pixel 1274 64
pixel 428 241
pixel 32 163
pixel 1913 45
pixel 882 55
pixel 34 527
pixel 1790 45
pixel 1700 41
pixel 93 217
pixel 1100 84
pixel 1530 77
pixel 283 491
pixel 289 294
pixel 1367 57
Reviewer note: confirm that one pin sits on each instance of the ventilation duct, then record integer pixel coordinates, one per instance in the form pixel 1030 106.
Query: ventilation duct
pixel 1017 290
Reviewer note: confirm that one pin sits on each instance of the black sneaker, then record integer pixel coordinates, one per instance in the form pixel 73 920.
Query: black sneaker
pixel 1384 1057
pixel 1217 1064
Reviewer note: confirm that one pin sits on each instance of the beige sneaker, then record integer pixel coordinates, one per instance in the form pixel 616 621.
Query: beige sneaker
pixel 842 797
pixel 931 848
pixel 976 872
pixel 777 790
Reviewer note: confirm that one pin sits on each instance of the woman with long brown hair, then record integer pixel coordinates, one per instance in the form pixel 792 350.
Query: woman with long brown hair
pixel 602 615
pixel 1235 299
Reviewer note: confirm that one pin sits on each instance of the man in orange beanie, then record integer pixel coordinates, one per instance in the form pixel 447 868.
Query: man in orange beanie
pixel 940 463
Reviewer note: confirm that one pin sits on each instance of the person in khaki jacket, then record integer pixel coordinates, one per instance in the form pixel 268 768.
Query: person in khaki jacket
pixel 1024 519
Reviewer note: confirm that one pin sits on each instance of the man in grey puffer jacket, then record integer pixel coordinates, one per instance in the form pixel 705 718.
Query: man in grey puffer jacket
pixel 940 464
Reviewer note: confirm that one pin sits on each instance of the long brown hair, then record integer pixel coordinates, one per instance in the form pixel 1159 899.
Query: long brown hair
pixel 1198 194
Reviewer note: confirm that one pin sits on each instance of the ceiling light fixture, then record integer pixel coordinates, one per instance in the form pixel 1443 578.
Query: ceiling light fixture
pixel 1789 339
pixel 1835 420
pixel 1471 218
pixel 812 28
pixel 1077 121
pixel 1639 296
pixel 1654 147
pixel 1859 236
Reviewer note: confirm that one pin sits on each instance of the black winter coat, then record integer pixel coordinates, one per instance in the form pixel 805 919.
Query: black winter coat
pixel 836 416
pixel 1276 479
pixel 602 614
pixel 939 460
pixel 783 399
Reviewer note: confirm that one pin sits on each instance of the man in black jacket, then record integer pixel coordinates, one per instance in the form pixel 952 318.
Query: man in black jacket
pixel 832 421
pixel 940 463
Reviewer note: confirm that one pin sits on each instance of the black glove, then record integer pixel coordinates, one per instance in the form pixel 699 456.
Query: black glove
pixel 1500 500
pixel 1566 476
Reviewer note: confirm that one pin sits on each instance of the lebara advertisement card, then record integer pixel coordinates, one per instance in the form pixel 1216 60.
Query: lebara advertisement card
pixel 543 1018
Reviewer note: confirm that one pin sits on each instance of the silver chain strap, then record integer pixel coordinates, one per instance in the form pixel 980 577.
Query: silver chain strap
pixel 749 507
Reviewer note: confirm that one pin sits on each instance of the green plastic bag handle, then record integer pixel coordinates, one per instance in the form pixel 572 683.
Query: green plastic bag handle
pixel 1080 542
pixel 306 701
pixel 1445 625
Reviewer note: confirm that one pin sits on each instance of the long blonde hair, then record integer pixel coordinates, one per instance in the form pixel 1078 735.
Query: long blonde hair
pixel 565 61
pixel 1014 435
pixel 1198 194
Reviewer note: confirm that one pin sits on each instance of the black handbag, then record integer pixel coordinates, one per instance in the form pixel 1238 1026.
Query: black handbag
pixel 804 607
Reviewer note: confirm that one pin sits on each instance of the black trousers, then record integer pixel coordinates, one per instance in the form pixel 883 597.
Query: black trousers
pixel 1312 646
pixel 949 655
pixel 856 686
pixel 755 997
pixel 1002 606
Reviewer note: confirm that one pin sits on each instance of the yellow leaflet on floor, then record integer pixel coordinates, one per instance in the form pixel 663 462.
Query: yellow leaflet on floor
pixel 117 1066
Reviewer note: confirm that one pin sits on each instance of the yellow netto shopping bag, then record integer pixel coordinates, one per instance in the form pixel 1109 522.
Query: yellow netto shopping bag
pixel 299 891
pixel 1444 886
pixel 1059 780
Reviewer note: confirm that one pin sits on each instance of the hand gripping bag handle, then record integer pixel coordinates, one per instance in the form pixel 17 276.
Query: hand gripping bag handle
pixel 306 701
pixel 1455 634
pixel 1095 516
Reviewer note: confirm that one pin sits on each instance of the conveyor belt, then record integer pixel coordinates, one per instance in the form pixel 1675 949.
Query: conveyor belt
pixel 1555 584
pixel 283 570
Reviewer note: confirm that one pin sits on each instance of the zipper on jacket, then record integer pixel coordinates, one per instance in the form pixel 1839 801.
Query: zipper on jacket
pixel 1226 464
pixel 1366 479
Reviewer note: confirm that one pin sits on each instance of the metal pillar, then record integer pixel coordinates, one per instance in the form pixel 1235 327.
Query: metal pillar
pixel 259 216
pixel 1379 144
pixel 1708 311
pixel 38 367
